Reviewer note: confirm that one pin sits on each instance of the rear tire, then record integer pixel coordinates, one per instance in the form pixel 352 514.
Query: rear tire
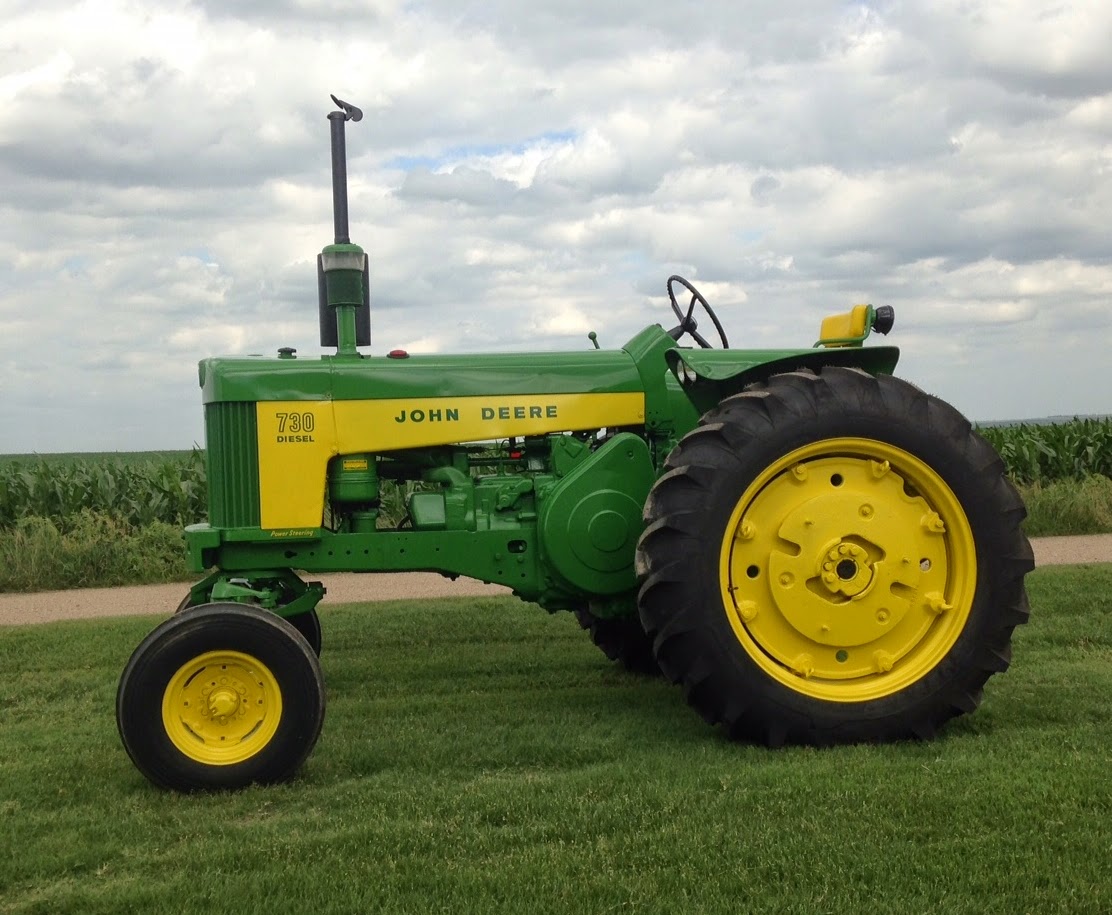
pixel 832 557
pixel 623 640
pixel 218 697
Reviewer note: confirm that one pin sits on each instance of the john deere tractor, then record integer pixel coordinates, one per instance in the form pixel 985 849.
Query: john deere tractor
pixel 818 552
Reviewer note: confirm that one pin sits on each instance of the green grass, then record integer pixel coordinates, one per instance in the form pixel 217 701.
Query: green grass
pixel 1068 507
pixel 483 757
pixel 91 551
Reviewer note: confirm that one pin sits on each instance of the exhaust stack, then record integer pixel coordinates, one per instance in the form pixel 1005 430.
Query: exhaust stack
pixel 343 272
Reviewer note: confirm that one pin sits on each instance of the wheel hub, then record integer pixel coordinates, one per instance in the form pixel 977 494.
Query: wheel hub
pixel 846 569
pixel 223 702
pixel 842 573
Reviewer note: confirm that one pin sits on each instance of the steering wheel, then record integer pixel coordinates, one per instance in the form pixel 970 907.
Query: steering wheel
pixel 688 324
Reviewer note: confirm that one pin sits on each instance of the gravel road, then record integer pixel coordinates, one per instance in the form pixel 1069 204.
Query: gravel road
pixel 48 606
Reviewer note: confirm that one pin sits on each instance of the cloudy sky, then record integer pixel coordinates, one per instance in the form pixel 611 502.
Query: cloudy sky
pixel 527 172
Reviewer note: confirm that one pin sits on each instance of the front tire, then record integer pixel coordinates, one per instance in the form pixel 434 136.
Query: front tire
pixel 218 697
pixel 308 626
pixel 307 623
pixel 833 557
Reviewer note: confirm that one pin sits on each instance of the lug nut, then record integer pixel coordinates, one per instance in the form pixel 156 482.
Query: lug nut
pixel 882 661
pixel 804 665
pixel 747 610
pixel 932 522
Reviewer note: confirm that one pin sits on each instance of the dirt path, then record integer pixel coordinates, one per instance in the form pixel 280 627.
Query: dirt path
pixel 48 606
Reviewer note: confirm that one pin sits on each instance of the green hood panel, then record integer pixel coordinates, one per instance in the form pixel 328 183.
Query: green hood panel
pixel 382 378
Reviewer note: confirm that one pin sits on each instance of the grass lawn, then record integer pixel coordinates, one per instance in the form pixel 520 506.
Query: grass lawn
pixel 485 757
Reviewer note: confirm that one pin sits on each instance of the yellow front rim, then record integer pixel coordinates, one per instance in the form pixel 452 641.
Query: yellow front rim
pixel 221 707
pixel 848 570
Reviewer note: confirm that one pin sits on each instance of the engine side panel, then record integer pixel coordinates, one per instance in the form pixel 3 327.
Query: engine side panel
pixel 296 439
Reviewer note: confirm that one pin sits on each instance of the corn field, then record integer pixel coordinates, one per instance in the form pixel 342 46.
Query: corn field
pixel 171 488
pixel 1072 450
pixel 132 493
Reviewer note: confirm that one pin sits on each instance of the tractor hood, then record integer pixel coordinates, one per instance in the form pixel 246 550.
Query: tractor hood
pixel 258 378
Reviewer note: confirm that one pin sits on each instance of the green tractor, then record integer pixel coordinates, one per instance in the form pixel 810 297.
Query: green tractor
pixel 817 551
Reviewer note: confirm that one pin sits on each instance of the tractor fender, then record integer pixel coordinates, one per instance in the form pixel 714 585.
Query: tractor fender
pixel 708 376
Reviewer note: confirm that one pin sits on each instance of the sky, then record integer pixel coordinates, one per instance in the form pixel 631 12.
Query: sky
pixel 527 172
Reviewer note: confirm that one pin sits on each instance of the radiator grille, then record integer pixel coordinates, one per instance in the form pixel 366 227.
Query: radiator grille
pixel 232 463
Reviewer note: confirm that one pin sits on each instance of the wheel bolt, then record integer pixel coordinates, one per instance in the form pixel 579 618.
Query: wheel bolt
pixel 932 522
pixel 804 665
pixel 747 610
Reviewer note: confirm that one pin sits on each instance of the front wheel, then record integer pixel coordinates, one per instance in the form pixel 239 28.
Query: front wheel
pixel 220 696
pixel 308 626
pixel 833 557
pixel 307 623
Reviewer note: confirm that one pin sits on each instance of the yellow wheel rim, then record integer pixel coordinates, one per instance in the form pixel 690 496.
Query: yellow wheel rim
pixel 221 707
pixel 848 570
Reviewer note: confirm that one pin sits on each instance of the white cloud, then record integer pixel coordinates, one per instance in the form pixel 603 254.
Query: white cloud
pixel 528 172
